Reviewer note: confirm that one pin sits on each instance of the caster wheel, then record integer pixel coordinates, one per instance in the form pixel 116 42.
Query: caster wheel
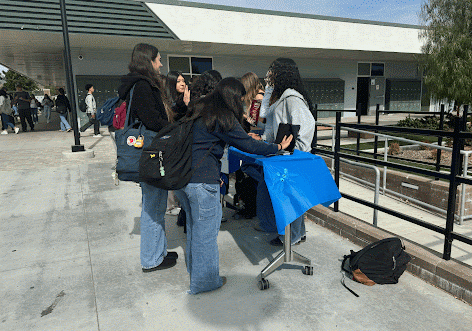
pixel 308 270
pixel 263 284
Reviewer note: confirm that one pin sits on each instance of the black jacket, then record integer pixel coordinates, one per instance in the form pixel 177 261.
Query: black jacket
pixel 147 103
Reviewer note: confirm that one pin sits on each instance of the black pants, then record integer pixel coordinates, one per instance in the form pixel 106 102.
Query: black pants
pixel 92 121
pixel 25 115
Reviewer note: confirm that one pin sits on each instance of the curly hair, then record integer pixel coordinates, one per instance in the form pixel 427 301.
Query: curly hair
pixel 284 73
pixel 204 84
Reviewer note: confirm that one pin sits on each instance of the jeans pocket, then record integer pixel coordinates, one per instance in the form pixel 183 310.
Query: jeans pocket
pixel 208 200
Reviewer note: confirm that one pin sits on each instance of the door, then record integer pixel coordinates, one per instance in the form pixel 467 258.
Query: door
pixel 363 87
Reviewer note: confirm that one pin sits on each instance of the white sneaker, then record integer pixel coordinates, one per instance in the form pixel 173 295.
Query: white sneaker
pixel 97 135
pixel 173 211
pixel 4 132
pixel 17 130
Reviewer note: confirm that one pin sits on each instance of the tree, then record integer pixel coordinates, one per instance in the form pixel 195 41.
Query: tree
pixel 13 78
pixel 448 49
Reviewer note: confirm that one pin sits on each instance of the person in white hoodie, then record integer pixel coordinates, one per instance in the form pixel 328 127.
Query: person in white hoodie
pixel 289 104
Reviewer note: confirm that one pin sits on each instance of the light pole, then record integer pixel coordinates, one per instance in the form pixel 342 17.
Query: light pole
pixel 77 147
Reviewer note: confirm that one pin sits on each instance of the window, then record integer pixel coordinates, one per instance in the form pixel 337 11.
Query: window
pixel 190 65
pixel 370 69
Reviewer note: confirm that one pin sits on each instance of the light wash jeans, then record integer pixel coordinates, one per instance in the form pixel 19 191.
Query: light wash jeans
pixel 153 235
pixel 64 124
pixel 202 204
pixel 47 112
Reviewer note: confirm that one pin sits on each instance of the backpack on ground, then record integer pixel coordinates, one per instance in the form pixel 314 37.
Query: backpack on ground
pixel 106 113
pixel 167 162
pixel 119 117
pixel 382 262
pixel 83 105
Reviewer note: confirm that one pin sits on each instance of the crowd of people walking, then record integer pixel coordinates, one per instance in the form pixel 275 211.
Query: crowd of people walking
pixel 225 112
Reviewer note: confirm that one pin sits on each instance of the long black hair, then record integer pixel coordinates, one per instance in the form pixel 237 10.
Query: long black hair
pixel 3 92
pixel 284 73
pixel 223 106
pixel 171 83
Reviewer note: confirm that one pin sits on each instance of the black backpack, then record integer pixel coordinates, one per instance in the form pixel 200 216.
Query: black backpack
pixel 83 105
pixel 382 262
pixel 167 162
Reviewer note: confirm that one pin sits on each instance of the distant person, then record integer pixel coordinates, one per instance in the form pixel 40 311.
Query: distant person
pixel 91 111
pixel 34 109
pixel 63 108
pixel 6 112
pixel 47 105
pixel 22 100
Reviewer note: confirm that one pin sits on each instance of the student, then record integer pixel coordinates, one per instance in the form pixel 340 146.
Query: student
pixel 91 110
pixel 6 112
pixel 290 104
pixel 149 104
pixel 22 100
pixel 218 122
pixel 179 97
pixel 34 109
pixel 63 108
pixel 47 104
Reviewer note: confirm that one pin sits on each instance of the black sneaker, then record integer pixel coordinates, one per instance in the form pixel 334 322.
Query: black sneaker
pixel 172 255
pixel 166 264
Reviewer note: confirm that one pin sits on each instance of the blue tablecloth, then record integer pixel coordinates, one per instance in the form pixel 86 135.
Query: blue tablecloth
pixel 296 183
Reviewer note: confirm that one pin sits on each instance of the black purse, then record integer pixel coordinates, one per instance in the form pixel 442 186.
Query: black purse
pixel 127 139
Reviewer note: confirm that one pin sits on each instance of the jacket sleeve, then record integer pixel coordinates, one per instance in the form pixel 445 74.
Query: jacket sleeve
pixel 299 114
pixel 238 138
pixel 148 108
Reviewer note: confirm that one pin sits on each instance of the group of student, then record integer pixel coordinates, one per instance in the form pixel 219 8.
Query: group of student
pixel 220 111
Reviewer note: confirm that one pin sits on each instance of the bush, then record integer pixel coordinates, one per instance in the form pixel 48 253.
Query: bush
pixel 394 148
pixel 427 122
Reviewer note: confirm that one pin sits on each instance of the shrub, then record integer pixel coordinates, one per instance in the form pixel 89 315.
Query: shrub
pixel 394 148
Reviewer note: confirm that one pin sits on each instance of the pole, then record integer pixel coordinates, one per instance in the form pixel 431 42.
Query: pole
pixel 337 146
pixel 440 138
pixel 358 138
pixel 376 139
pixel 77 147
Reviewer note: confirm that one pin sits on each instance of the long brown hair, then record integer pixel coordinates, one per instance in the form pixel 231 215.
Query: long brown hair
pixel 253 85
pixel 141 58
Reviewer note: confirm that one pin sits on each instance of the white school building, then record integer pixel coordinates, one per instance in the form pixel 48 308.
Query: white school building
pixel 345 63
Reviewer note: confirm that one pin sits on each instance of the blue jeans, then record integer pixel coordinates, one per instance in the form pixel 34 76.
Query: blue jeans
pixel 34 114
pixel 64 124
pixel 202 204
pixel 47 113
pixel 153 236
pixel 6 122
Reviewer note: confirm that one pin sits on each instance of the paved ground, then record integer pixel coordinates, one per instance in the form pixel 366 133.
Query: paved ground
pixel 69 260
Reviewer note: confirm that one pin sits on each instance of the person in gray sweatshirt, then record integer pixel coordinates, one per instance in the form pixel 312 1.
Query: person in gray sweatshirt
pixel 289 104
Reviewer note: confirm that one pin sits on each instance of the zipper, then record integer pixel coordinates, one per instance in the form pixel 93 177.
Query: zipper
pixel 161 166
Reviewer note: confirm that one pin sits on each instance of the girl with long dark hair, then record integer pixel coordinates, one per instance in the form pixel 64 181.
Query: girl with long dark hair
pixel 218 118
pixel 47 104
pixel 289 104
pixel 149 105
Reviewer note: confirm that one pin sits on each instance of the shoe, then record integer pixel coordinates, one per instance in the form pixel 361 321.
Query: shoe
pixel 166 264
pixel 17 130
pixel 62 130
pixel 97 135
pixel 278 242
pixel 224 281
pixel 173 211
pixel 172 255
pixel 4 132
pixel 32 130
pixel 257 227
pixel 69 129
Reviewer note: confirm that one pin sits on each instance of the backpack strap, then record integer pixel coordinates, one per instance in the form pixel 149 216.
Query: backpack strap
pixel 345 270
pixel 129 107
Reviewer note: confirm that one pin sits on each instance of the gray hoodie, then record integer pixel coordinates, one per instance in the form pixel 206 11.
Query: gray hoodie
pixel 292 108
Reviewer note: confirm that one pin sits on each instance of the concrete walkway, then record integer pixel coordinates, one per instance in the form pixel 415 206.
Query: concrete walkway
pixel 70 261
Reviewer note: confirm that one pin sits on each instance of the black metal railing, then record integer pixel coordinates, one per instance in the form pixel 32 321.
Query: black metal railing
pixel 452 176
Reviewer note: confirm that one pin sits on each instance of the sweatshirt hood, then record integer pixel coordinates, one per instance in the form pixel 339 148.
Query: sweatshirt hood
pixel 290 93
pixel 128 81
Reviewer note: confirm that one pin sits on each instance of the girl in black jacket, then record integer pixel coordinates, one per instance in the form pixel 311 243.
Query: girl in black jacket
pixel 150 106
